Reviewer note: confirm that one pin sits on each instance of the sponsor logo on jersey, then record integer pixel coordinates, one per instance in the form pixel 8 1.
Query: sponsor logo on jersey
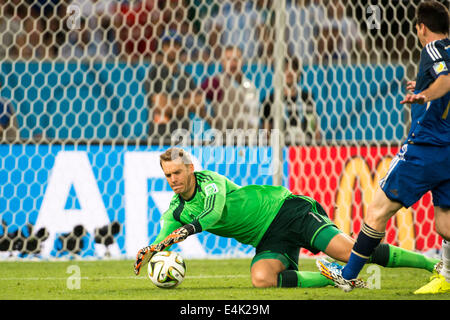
pixel 439 67
pixel 211 189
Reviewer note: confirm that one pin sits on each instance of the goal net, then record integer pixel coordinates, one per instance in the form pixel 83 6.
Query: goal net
pixel 300 93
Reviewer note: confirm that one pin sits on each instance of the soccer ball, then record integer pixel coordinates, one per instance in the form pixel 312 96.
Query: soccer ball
pixel 166 269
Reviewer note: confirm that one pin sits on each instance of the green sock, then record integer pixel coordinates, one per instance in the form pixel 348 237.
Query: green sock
pixel 399 257
pixel 391 256
pixel 302 279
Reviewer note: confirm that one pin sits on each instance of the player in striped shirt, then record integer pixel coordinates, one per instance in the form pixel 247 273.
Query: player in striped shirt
pixel 423 162
pixel 270 218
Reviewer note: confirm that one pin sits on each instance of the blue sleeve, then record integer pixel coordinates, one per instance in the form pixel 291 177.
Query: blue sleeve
pixel 435 59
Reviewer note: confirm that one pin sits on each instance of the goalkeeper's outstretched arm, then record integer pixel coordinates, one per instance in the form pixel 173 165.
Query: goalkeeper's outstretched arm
pixel 168 225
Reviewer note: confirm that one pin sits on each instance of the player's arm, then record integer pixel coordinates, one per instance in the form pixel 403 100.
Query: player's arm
pixel 215 195
pixel 435 61
pixel 168 225
pixel 436 90
pixel 215 192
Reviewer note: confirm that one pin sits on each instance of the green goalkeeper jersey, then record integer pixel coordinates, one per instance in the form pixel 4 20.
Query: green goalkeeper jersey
pixel 223 208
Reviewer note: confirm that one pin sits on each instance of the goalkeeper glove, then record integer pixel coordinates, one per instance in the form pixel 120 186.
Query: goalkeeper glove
pixel 177 236
pixel 144 255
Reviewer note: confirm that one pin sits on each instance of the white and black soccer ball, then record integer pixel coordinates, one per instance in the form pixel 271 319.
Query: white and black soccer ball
pixel 166 269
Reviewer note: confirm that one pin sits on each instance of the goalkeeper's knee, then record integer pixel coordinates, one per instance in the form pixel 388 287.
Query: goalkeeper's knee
pixel 264 279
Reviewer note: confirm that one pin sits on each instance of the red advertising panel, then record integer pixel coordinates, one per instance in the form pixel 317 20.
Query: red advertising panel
pixel 343 179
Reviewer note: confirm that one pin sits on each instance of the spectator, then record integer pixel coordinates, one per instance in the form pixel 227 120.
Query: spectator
pixel 20 30
pixel 340 36
pixel 239 23
pixel 49 15
pixel 176 21
pixel 299 119
pixel 80 44
pixel 95 11
pixel 45 8
pixel 173 93
pixel 9 27
pixel 233 98
pixel 303 22
pixel 139 27
pixel 97 15
pixel 9 128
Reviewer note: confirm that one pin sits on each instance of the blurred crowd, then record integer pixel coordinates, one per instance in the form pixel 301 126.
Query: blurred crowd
pixel 167 33
pixel 132 31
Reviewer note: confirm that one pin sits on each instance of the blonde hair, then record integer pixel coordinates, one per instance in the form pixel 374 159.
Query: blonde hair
pixel 175 153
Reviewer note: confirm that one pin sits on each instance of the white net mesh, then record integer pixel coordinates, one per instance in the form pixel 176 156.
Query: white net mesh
pixel 300 93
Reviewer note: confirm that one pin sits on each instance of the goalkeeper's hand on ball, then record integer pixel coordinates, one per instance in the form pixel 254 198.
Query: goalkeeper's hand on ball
pixel 145 254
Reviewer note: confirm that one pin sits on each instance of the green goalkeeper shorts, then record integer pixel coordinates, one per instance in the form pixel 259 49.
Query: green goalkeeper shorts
pixel 300 223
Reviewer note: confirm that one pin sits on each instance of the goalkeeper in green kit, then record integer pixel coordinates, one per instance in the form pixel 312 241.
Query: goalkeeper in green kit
pixel 270 218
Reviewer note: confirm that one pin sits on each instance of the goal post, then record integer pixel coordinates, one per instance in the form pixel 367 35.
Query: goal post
pixel 300 93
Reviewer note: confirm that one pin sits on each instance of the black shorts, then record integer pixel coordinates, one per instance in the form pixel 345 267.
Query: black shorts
pixel 300 223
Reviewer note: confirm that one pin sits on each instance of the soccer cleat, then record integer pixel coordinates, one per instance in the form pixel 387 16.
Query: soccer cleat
pixel 333 271
pixel 438 284
pixel 438 268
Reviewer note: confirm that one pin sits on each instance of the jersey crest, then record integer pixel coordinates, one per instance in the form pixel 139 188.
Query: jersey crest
pixel 211 189
pixel 439 67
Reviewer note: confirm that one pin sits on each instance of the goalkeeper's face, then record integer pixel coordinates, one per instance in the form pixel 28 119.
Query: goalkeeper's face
pixel 180 176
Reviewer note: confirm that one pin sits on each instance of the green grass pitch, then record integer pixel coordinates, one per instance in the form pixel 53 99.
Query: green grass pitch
pixel 206 280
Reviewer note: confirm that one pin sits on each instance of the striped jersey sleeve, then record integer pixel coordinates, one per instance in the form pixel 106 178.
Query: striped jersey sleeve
pixel 436 58
pixel 214 188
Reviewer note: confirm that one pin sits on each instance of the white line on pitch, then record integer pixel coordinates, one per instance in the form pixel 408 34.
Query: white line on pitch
pixel 118 278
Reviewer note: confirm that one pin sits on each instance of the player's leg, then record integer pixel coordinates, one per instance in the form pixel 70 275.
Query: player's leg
pixel 442 222
pixel 276 259
pixel 270 269
pixel 385 255
pixel 380 210
pixel 340 247
pixel 440 283
pixel 441 200
pixel 403 185
pixel 265 272
pixel 414 171
pixel 372 232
